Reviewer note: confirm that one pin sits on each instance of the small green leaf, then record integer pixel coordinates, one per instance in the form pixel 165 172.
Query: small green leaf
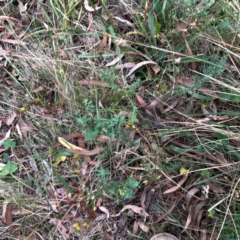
pixel 211 213
pixel 10 168
pixel 8 143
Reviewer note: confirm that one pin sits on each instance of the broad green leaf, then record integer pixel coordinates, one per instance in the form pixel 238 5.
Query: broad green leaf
pixel 8 143
pixel 10 168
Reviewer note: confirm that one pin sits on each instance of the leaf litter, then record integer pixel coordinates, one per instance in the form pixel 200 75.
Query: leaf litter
pixel 176 148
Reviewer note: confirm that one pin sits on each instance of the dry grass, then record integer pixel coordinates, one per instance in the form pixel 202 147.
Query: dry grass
pixel 174 125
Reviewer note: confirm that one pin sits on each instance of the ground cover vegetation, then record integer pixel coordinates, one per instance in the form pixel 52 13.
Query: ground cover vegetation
pixel 119 119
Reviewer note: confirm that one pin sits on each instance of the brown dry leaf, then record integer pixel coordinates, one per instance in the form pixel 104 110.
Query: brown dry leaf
pixel 189 219
pixel 105 139
pixel 135 227
pixel 155 68
pixel 140 65
pixel 153 104
pixel 146 106
pixel 126 65
pixel 95 151
pixel 89 8
pixel 58 223
pixel 11 118
pixel 103 209
pixel 25 128
pixel 93 82
pixel 175 188
pixel 187 82
pixel 143 227
pixel 141 101
pixel 143 196
pixel 196 211
pixel 75 149
pixel 23 211
pixel 124 21
pixel 7 213
pixel 99 202
pixel 81 143
pixel 135 209
pixel 103 43
pixel 39 89
pixel 114 61
pixel 190 195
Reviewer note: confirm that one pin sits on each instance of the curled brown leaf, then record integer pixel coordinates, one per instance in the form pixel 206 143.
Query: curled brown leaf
pixel 140 65
pixel 105 210
pixel 175 188
pixel 135 209
pixel 190 195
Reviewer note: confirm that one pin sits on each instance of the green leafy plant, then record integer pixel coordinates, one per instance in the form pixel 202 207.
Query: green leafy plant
pixel 8 144
pixel 10 167
pixel 108 75
pixel 95 125
pixel 7 169
pixel 120 190
pixel 230 95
